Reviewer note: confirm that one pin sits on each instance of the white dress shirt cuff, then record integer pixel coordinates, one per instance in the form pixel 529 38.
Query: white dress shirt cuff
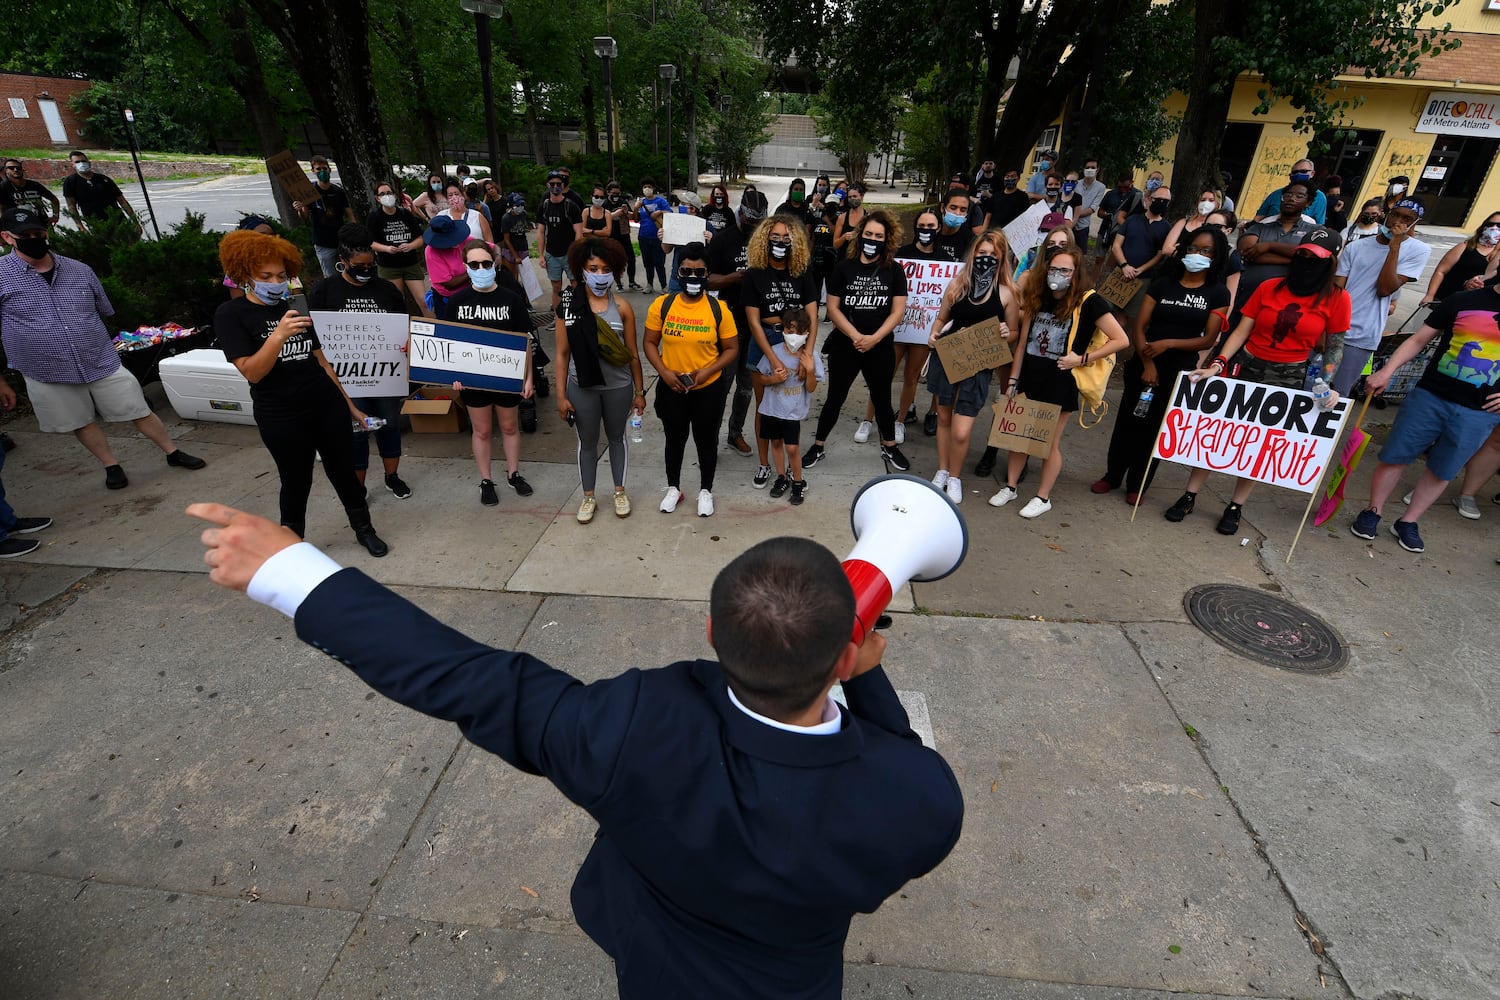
pixel 284 580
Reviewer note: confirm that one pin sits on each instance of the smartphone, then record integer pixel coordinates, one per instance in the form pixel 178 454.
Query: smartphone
pixel 299 303
pixel 570 418
pixel 686 378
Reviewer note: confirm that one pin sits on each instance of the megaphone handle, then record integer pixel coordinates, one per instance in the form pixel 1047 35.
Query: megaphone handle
pixel 872 595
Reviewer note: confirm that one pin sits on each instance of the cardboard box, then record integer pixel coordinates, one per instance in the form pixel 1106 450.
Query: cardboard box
pixel 435 410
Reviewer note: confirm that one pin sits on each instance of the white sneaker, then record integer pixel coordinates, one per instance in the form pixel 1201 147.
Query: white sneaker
pixel 941 479
pixel 955 489
pixel 900 432
pixel 1407 499
pixel 705 504
pixel 1036 507
pixel 669 502
pixel 862 433
pixel 1005 495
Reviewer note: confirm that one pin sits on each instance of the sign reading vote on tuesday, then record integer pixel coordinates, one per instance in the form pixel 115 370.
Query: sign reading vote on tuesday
pixel 443 353
pixel 1260 432
pixel 367 350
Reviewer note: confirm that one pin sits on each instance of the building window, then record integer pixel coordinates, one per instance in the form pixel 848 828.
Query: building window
pixel 18 108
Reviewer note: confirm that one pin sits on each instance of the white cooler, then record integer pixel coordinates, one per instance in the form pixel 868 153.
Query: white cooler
pixel 204 385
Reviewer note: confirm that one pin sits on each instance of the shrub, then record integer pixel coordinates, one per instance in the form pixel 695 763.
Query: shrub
pixel 173 279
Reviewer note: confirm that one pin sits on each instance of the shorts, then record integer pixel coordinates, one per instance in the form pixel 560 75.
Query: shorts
pixel 488 397
pixel 63 406
pixel 774 336
pixel 780 429
pixel 557 267
pixel 1281 374
pixel 1453 431
pixel 967 398
pixel 411 272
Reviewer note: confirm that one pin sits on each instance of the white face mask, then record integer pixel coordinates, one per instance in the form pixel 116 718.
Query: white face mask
pixel 795 341
pixel 388 200
pixel 1397 188
pixel 1090 172
pixel 1205 206
pixel 82 166
pixel 598 283
pixel 648 191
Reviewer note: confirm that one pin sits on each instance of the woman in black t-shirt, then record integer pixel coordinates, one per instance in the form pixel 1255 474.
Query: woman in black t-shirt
pixel 1062 313
pixel 1182 314
pixel 866 302
pixel 796 202
pixel 718 216
pixel 300 407
pixel 396 238
pixel 911 357
pixel 357 288
pixel 780 277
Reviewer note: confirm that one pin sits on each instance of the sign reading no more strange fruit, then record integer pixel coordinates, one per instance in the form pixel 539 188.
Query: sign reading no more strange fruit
pixel 480 358
pixel 1254 431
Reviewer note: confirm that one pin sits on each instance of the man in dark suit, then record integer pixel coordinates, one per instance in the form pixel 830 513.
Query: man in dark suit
pixel 744 818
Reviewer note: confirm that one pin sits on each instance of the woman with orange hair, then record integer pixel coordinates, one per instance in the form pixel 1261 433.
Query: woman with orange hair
pixel 300 407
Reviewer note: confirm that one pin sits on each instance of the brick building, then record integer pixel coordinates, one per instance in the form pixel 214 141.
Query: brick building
pixel 36 111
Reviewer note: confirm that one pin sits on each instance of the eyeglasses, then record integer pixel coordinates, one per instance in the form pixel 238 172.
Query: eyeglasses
pixel 692 272
pixel 479 265
pixel 554 187
pixel 14 168
pixel 1059 272
pixel 781 242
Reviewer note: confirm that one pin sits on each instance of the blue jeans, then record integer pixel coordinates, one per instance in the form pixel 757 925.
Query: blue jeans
pixel 7 516
pixel 388 438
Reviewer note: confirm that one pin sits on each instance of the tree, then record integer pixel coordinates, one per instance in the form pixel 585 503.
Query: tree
pixel 736 131
pixel 1298 51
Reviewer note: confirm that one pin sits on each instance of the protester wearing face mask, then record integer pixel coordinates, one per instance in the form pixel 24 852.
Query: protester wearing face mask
pixel 1065 200
pixel 1139 244
pixel 1209 201
pixel 981 291
pixel 780 277
pixel 911 357
pixel 717 215
pixel 19 191
pixel 1267 247
pixel 596 218
pixel 559 222
pixel 728 261
pixel 430 203
pixel 1182 316
pixel 396 238
pixel 1062 314
pixel 866 302
pixel 1090 193
pixel 1373 272
pixel 620 210
pixel 1316 207
pixel 1396 189
pixel 1283 322
pixel 955 236
pixel 1009 201
pixel 326 214
pixel 358 288
pixel 1367 223
pixel 852 220
pixel 796 203
pixel 649 211
pixel 1337 217
pixel 301 409
pixel 1055 231
pixel 445 260
pixel 690 341
pixel 1463 267
pixel 1225 222
pixel 92 196
pixel 1036 184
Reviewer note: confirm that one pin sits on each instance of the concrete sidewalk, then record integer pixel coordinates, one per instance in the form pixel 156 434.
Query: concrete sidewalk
pixel 194 804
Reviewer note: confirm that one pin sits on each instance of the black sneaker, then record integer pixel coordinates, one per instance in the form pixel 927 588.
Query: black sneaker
pixel 1229 523
pixel 182 460
pixel 911 415
pixel 115 478
pixel 519 484
pixel 929 424
pixel 986 463
pixel 371 542
pixel 762 476
pixel 12 547
pixel 779 488
pixel 1182 508
pixel 28 525
pixel 892 454
pixel 799 492
pixel 6 442
pixel 487 494
pixel 812 456
pixel 398 486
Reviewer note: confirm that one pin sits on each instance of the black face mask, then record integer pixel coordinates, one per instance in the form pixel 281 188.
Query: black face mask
pixel 779 251
pixel 1306 275
pixel 1009 182
pixel 982 272
pixel 693 287
pixel 33 246
pixel 926 236
pixel 1159 206
pixel 870 248
pixel 362 274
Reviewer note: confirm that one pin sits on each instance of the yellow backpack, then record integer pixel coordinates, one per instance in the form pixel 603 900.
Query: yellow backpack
pixel 1092 378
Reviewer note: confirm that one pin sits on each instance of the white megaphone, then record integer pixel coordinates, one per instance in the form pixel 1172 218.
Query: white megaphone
pixel 905 529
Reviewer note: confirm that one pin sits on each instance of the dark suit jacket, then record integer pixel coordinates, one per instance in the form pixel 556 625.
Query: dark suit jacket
pixel 731 855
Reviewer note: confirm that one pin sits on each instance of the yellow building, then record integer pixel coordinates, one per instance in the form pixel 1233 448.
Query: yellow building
pixel 1441 129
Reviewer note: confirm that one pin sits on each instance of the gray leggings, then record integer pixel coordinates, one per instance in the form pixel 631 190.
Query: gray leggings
pixel 612 406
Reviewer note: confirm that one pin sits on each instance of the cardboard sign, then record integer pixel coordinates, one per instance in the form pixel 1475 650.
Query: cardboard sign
pixel 443 353
pixel 926 281
pixel 1260 432
pixel 1118 290
pixel 679 230
pixel 973 349
pixel 1025 230
pixel 367 350
pixel 1023 425
pixel 293 180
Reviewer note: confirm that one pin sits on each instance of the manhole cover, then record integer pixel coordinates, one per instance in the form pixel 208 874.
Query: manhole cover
pixel 1266 628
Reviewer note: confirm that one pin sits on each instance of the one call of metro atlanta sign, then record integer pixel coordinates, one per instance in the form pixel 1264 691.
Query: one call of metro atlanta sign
pixel 1469 114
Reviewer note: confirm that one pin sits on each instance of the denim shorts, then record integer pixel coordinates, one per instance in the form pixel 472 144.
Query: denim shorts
pixel 967 397
pixel 1453 431
pixel 557 267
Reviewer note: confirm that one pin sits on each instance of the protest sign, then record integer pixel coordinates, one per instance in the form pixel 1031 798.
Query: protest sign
pixel 529 280
pixel 1022 424
pixel 1025 230
pixel 367 350
pixel 443 353
pixel 289 174
pixel 973 349
pixel 1118 290
pixel 1260 432
pixel 679 230
pixel 926 281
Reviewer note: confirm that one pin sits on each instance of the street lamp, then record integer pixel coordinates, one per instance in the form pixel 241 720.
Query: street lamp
pixel 483 11
pixel 668 72
pixel 606 49
pixel 129 117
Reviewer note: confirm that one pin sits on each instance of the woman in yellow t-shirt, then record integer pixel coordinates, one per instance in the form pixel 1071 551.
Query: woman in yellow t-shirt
pixel 689 345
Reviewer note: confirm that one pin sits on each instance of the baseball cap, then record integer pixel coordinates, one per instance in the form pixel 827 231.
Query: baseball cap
pixel 21 219
pixel 1053 220
pixel 1413 204
pixel 691 198
pixel 1321 242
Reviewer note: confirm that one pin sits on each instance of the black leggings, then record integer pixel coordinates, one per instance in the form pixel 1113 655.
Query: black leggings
pixel 1134 437
pixel 292 438
pixel 699 413
pixel 877 365
pixel 624 240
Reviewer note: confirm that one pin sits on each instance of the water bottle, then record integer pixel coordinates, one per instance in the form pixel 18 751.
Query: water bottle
pixel 1143 405
pixel 1323 393
pixel 369 424
pixel 637 431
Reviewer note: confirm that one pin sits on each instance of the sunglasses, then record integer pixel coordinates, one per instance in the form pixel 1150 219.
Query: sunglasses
pixel 14 168
pixel 554 187
pixel 692 272
pixel 479 265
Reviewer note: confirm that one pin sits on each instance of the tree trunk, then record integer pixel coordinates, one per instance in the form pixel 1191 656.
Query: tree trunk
pixel 1000 40
pixel 1195 161
pixel 533 125
pixel 590 116
pixel 1035 101
pixel 427 113
pixel 692 123
pixel 334 65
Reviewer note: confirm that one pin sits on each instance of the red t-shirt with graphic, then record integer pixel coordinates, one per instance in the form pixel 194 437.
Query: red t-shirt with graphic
pixel 1288 327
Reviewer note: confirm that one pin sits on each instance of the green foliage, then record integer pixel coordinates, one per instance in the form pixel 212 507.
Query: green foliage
pixel 922 147
pixel 149 282
pixel 736 132
pixel 794 104
pixel 631 164
pixel 97 244
pixel 1130 123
